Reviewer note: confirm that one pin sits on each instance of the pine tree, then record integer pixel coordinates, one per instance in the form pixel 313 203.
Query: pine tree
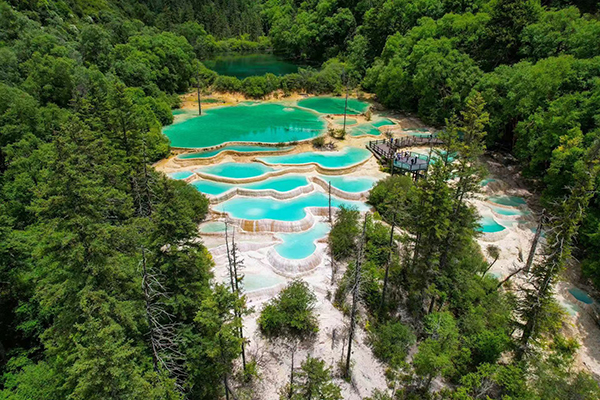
pixel 564 218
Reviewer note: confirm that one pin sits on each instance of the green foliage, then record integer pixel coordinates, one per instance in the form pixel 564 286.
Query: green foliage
pixel 313 382
pixel 343 235
pixel 391 342
pixel 290 315
pixel 391 196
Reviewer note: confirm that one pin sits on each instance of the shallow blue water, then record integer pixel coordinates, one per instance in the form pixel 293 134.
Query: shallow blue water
pixel 513 201
pixel 581 295
pixel 213 227
pixel 333 159
pixel 350 184
pixel 211 187
pixel 486 181
pixel 236 170
pixel 279 183
pixel 180 175
pixel 254 282
pixel 300 245
pixel 282 210
pixel 364 129
pixel 508 211
pixel 489 225
pixel 383 122
pixel 238 148
pixel 334 105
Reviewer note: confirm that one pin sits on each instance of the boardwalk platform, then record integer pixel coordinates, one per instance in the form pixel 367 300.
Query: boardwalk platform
pixel 387 150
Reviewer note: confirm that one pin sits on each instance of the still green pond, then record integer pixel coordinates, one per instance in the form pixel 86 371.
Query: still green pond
pixel 244 65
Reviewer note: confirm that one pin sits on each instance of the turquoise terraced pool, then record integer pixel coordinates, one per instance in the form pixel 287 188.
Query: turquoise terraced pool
pixel 334 105
pixel 255 282
pixel 350 183
pixel 236 170
pixel 246 122
pixel 581 295
pixel 180 175
pixel 236 148
pixel 297 246
pixel 279 183
pixel 513 201
pixel 334 159
pixel 383 122
pixel 252 208
pixel 364 129
pixel 509 212
pixel 213 227
pixel 340 121
pixel 489 225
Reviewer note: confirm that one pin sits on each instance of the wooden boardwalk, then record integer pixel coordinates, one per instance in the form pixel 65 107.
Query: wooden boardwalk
pixel 387 150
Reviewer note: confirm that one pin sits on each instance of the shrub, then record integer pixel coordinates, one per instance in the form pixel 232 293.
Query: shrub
pixel 391 342
pixel 227 84
pixel 318 142
pixel 291 314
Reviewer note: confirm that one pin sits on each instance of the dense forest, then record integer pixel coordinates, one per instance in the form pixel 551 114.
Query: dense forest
pixel 105 293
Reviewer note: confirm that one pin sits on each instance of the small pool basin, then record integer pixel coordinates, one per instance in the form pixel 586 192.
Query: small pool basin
pixel 297 246
pixel 513 201
pixel 581 295
pixel 180 175
pixel 253 282
pixel 257 208
pixel 282 183
pixel 332 159
pixel 236 170
pixel 212 227
pixel 351 184
pixel 334 105
pixel 239 149
pixel 489 225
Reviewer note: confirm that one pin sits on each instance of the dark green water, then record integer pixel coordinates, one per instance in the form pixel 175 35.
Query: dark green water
pixel 244 65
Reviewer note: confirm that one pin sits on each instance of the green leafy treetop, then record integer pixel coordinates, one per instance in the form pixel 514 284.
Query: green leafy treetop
pixel 290 315
pixel 313 383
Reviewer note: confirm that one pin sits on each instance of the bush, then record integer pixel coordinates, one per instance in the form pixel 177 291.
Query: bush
pixel 318 142
pixel 229 84
pixel 290 314
pixel 391 342
pixel 391 195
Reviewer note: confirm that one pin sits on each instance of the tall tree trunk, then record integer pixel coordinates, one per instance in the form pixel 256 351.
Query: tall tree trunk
pixel 355 293
pixel 534 244
pixel 387 267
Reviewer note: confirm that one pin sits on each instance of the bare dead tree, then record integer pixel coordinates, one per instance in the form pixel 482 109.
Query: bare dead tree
pixel 534 243
pixel 235 265
pixel 345 76
pixel 163 333
pixel 513 273
pixel 387 266
pixel 355 296
pixel 198 87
